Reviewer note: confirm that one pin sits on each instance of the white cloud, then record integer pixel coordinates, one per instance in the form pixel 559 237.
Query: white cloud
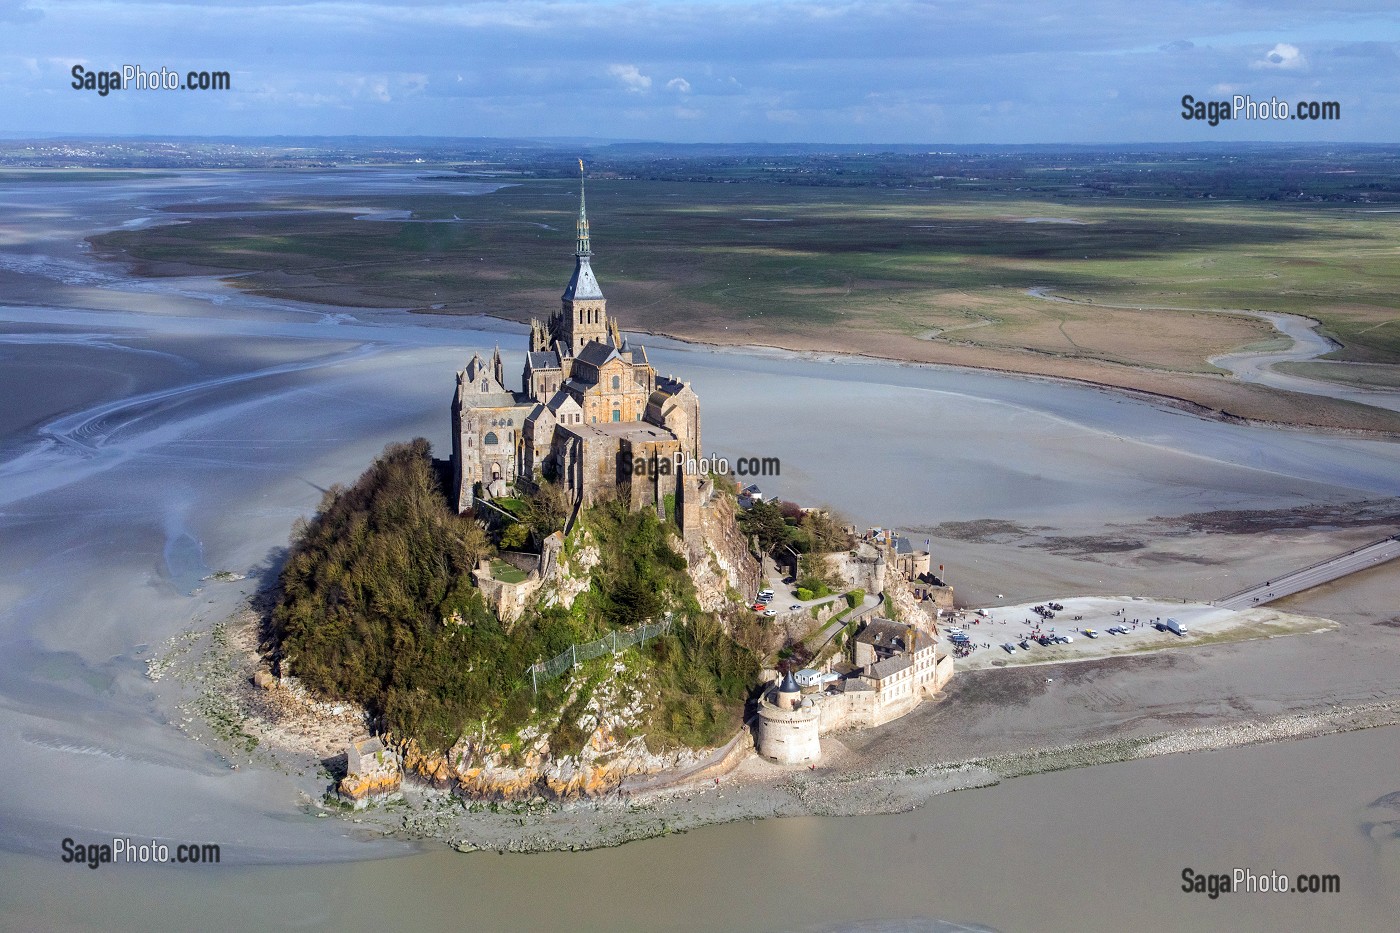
pixel 679 85
pixel 1283 56
pixel 631 77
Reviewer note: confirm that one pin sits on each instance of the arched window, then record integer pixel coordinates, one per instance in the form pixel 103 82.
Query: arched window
pixel 617 382
pixel 490 438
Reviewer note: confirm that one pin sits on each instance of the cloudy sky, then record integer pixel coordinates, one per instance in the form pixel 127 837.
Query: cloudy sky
pixel 849 71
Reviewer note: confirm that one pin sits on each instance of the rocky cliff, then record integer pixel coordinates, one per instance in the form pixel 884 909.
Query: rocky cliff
pixel 902 604
pixel 721 561
pixel 483 767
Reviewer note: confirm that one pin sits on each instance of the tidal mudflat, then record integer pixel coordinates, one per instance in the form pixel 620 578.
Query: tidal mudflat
pixel 170 429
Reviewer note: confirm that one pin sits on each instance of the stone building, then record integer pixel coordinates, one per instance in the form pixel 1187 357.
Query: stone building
pixel 788 727
pixel 592 412
pixel 371 771
pixel 910 561
pixel 896 667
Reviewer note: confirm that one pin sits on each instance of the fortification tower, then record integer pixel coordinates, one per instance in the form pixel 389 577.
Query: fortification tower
pixel 789 728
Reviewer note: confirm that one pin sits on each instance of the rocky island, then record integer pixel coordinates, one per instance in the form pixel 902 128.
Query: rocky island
pixel 564 607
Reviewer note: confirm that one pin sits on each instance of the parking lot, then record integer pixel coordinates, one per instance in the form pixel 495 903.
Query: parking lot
pixel 1084 627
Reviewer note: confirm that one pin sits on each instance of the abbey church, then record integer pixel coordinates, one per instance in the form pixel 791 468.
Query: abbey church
pixel 590 412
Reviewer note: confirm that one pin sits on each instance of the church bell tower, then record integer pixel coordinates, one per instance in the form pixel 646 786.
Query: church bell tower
pixel 584 311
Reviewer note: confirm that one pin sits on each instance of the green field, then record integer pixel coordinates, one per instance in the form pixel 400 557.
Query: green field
pixel 674 256
pixel 933 275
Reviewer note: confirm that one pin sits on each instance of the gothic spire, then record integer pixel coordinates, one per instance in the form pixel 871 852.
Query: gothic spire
pixel 582 248
pixel 583 285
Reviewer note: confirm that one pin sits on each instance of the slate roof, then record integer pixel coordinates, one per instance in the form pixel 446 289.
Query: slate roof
pixel 474 399
pixel 890 666
pixel 596 354
pixel 544 359
pixel 582 284
pixel 882 633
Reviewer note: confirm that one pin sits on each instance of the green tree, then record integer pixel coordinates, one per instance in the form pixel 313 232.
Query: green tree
pixel 764 521
pixel 547 509
pixel 514 537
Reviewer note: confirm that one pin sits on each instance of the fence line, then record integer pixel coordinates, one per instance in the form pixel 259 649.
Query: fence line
pixel 614 641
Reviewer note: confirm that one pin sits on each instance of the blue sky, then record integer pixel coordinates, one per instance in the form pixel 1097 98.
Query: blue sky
pixel 848 72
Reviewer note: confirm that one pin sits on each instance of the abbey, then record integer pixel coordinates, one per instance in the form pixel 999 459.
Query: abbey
pixel 589 408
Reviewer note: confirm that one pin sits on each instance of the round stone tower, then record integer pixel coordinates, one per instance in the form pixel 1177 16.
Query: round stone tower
pixel 788 725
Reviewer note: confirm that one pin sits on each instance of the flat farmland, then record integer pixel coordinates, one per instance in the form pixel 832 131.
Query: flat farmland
pixel 1133 294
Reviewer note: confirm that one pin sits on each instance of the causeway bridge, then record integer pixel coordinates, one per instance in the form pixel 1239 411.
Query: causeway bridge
pixel 1325 571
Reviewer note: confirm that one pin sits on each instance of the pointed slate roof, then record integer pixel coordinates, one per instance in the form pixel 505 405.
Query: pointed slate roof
pixel 582 284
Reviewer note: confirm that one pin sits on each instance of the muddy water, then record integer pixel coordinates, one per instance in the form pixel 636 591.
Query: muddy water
pixel 1085 850
pixel 168 428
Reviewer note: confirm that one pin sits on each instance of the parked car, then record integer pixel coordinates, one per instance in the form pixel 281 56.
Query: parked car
pixel 770 612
